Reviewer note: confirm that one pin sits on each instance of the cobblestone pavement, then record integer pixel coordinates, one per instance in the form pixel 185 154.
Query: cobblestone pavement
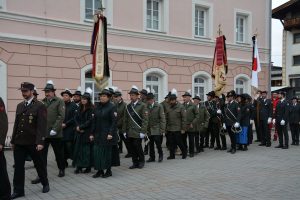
pixel 260 173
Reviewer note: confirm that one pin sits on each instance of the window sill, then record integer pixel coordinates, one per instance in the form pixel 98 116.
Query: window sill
pixel 155 31
pixel 242 43
pixel 201 37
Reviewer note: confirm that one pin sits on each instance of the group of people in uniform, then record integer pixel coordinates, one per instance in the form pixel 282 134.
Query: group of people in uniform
pixel 92 136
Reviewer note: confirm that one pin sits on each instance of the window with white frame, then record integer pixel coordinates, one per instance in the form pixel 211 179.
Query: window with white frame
pixel 241 28
pixel 240 86
pixel 90 82
pixel 201 15
pixel 154 14
pixel 153 83
pixel 199 87
pixel 201 84
pixel 91 6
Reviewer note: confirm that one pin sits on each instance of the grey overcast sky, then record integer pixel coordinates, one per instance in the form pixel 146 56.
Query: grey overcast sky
pixel 277 36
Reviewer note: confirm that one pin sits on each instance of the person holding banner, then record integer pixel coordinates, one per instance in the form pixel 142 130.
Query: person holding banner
pixel 135 127
pixel 105 136
pixel 232 114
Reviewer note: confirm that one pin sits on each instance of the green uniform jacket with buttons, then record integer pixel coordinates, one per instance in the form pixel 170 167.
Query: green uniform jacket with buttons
pixel 3 122
pixel 130 127
pixel 176 118
pixel 192 116
pixel 30 124
pixel 121 108
pixel 55 116
pixel 157 120
pixel 203 119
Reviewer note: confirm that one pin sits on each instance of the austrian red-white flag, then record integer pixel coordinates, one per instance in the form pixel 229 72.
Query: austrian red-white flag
pixel 256 68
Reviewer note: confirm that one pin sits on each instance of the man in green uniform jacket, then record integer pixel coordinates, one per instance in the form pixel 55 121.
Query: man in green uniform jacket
pixel 176 125
pixel 121 109
pixel 191 121
pixel 156 126
pixel 55 117
pixel 135 127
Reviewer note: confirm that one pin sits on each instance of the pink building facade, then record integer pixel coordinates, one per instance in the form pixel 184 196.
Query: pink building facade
pixel 162 44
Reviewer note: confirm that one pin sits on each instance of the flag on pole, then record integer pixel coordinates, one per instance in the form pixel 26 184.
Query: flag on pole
pixel 220 65
pixel 256 67
pixel 100 68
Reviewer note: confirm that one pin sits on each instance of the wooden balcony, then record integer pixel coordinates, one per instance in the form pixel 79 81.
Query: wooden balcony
pixel 293 23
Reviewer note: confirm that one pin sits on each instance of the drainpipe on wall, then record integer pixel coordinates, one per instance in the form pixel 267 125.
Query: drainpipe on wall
pixel 270 44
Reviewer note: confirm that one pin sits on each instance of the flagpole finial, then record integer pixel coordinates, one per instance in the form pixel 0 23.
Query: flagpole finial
pixel 256 33
pixel 101 9
pixel 220 30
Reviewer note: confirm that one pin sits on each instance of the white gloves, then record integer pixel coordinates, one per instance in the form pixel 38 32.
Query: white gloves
pixel 269 120
pixel 274 121
pixel 219 111
pixel 282 122
pixel 142 135
pixel 52 132
pixel 125 135
pixel 236 125
pixel 224 125
pixel 251 121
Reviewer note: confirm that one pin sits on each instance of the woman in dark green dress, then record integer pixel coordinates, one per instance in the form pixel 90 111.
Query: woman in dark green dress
pixel 82 157
pixel 105 136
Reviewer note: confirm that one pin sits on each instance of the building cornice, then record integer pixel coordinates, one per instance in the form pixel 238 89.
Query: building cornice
pixel 85 26
pixel 112 49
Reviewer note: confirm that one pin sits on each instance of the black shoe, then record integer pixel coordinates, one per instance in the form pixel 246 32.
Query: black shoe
pixel 46 188
pixel 134 166
pixel 87 170
pixel 61 173
pixel 141 165
pixel 262 144
pixel 211 146
pixel 160 158
pixel 191 155
pixel 170 157
pixel 240 148
pixel 279 146
pixel 268 145
pixel 285 147
pixel 77 171
pixel 98 174
pixel 245 148
pixel 217 148
pixel 201 150
pixel 128 156
pixel 107 174
pixel 257 141
pixel 206 146
pixel 36 181
pixel 151 160
pixel 230 150
pixel 293 143
pixel 17 195
pixel 233 151
pixel 184 156
pixel 224 148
